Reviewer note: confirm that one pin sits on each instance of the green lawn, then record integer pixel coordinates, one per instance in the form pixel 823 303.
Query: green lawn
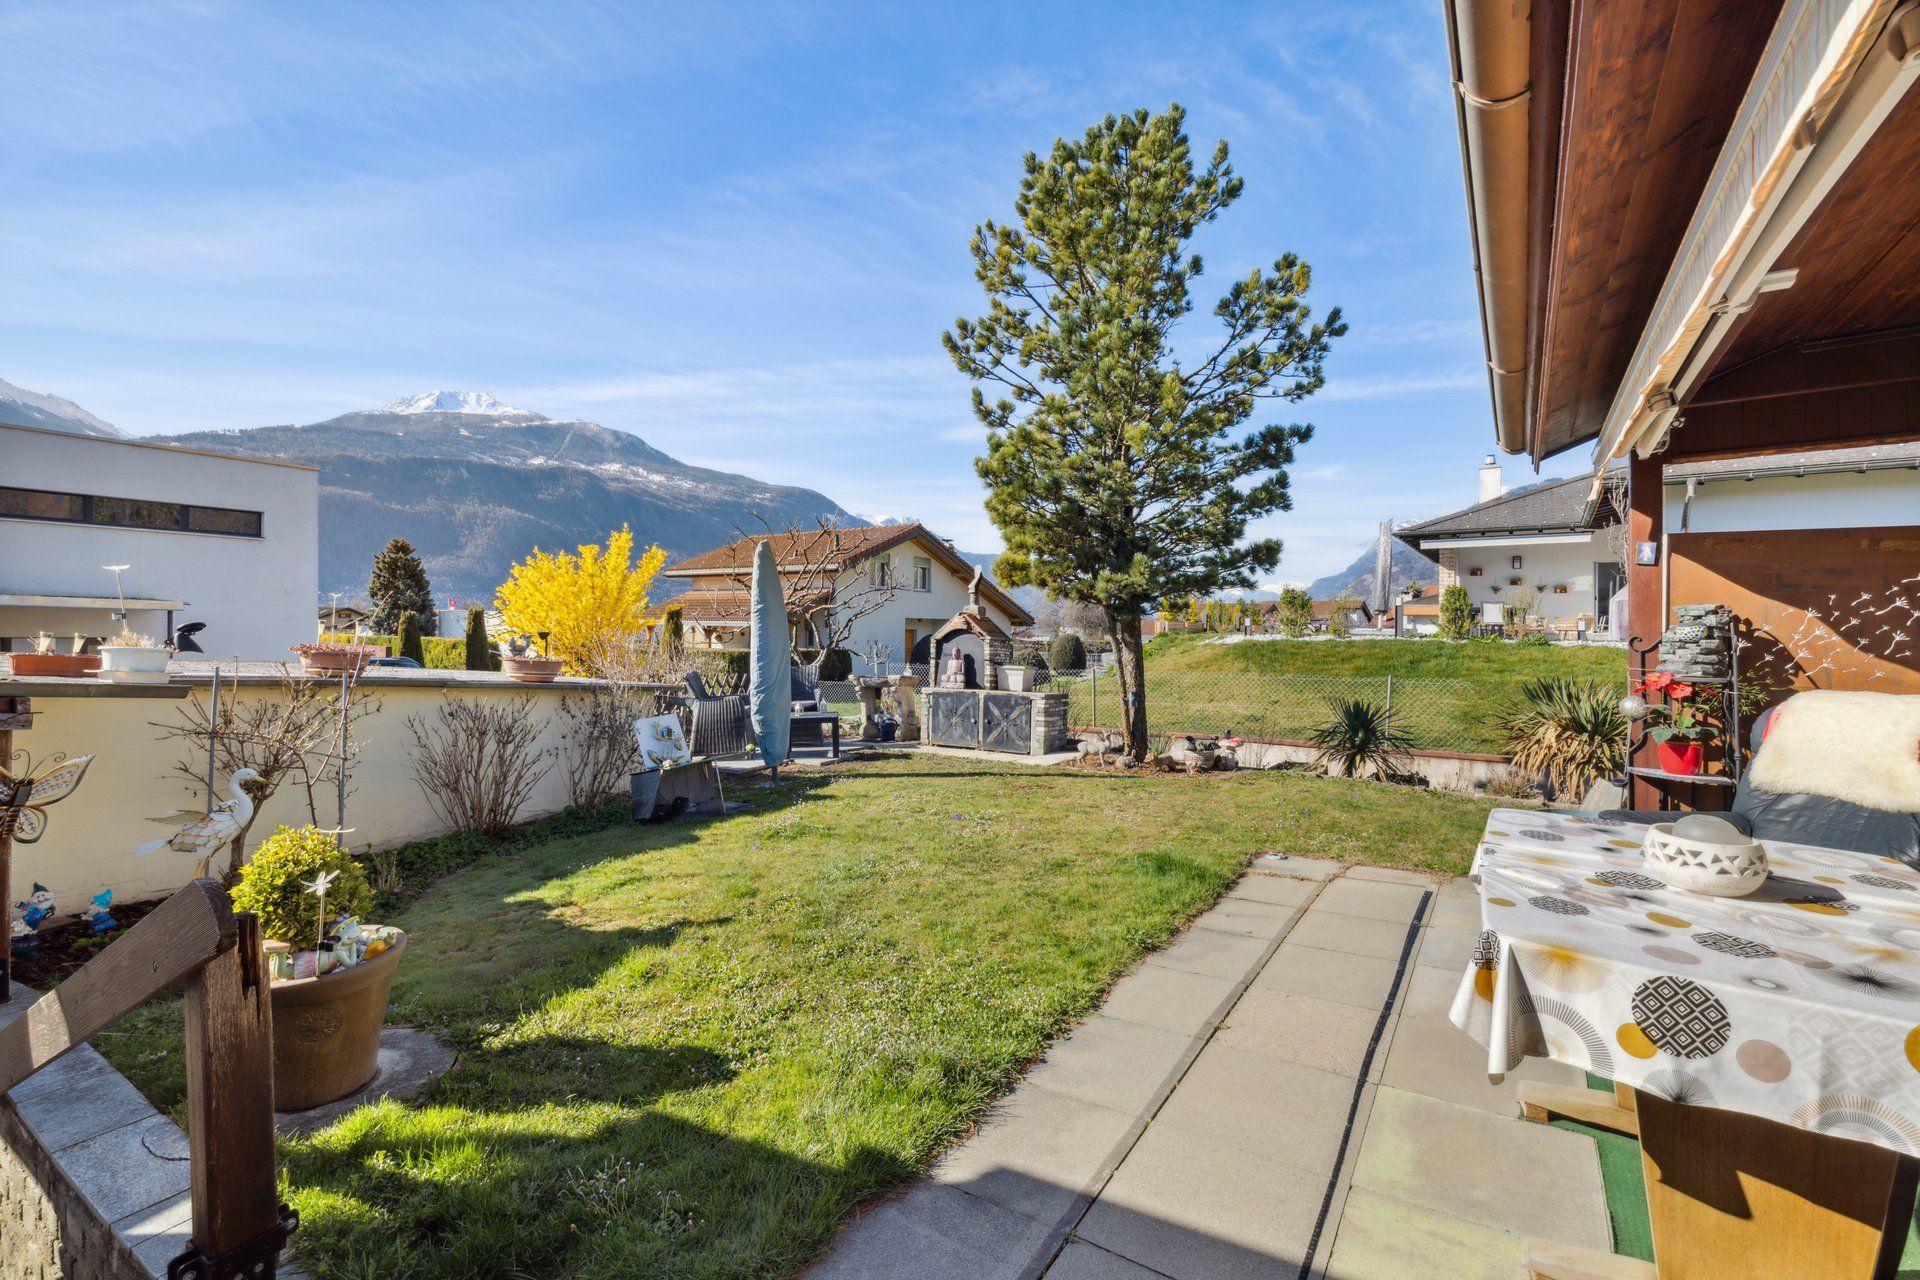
pixel 690 1050
pixel 1444 694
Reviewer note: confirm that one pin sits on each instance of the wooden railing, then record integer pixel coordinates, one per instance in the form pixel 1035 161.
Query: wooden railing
pixel 194 937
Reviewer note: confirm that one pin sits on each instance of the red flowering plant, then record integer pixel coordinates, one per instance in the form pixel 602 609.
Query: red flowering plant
pixel 1686 713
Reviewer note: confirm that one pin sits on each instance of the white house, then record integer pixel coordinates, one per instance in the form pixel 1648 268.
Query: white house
pixel 1558 541
pixel 203 537
pixel 902 581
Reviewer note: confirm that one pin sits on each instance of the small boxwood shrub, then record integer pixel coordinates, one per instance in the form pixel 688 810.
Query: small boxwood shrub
pixel 272 886
pixel 1067 653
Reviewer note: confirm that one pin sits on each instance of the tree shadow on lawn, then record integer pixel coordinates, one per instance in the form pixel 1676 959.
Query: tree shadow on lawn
pixel 589 1180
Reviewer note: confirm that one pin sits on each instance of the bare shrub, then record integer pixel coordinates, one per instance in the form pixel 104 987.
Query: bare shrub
pixel 477 761
pixel 599 749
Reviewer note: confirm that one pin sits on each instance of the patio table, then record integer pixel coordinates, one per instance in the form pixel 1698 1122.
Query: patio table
pixel 1771 1042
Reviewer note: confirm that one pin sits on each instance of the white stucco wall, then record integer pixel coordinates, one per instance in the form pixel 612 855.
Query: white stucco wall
pixel 1848 500
pixel 256 595
pixel 1571 563
pixel 923 611
pixel 132 779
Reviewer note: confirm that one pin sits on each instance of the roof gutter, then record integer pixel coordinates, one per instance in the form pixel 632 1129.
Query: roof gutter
pixel 1489 41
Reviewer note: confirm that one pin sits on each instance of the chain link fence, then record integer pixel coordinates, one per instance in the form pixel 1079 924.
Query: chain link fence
pixel 1436 715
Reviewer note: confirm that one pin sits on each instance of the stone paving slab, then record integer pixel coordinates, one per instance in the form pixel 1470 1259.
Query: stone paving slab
pixel 1382 939
pixel 1373 899
pixel 1233 1096
pixel 1394 875
pixel 1460 1162
pixel 1323 1034
pixel 1297 865
pixel 1448 949
pixel 1285 891
pixel 1264 920
pixel 1083 1261
pixel 1193 1208
pixel 935 1232
pixel 1037 1152
pixel 1211 953
pixel 1362 981
pixel 1382 1238
pixel 1457 908
pixel 1111 1062
pixel 1171 999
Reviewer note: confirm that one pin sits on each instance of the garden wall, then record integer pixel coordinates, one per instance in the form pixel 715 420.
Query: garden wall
pixel 132 779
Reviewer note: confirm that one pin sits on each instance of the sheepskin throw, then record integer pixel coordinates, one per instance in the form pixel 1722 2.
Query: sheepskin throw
pixel 1860 747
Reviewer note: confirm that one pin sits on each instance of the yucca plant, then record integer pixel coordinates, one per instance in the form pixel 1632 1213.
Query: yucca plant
pixel 1573 731
pixel 1360 736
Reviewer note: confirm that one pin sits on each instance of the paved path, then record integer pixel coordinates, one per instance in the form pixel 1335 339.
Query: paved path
pixel 1279 1095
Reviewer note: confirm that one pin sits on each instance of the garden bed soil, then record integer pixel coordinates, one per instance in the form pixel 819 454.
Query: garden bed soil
pixel 64 947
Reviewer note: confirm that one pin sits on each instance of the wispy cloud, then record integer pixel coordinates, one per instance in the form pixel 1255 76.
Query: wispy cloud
pixel 1400 386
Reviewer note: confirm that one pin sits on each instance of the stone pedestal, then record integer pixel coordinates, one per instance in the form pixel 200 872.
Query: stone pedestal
pixel 906 698
pixel 867 689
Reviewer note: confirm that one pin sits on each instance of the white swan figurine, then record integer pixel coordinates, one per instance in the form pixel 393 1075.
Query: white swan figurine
pixel 205 834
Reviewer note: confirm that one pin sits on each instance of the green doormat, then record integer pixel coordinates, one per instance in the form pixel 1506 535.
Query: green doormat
pixel 1626 1188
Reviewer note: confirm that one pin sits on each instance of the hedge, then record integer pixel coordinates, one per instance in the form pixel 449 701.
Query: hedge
pixel 440 653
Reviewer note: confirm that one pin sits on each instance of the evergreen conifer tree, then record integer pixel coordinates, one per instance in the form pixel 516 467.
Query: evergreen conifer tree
pixel 1117 472
pixel 399 585
pixel 480 655
pixel 409 633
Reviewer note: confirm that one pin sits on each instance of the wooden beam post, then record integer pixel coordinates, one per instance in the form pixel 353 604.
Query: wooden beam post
pixel 15 713
pixel 1646 620
pixel 230 1096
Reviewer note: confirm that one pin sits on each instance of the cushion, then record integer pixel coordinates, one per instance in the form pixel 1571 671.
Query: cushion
pixel 1863 748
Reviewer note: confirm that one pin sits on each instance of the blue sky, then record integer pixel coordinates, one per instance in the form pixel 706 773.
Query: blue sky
pixel 738 232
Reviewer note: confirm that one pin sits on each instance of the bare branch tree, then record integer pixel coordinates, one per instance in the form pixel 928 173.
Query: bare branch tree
pixel 600 749
pixel 828 593
pixel 302 738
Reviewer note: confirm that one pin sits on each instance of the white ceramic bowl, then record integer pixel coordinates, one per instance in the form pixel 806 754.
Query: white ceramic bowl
pixel 1700 866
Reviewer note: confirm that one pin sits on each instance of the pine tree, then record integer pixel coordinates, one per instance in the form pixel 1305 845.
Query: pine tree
pixel 398 585
pixel 480 655
pixel 409 633
pixel 1116 472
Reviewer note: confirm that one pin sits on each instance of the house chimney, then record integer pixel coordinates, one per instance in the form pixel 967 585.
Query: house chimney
pixel 1490 485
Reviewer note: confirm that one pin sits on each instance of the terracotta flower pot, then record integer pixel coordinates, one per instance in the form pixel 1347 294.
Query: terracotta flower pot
pixel 326 1031
pixel 1678 757
pixel 71 665
pixel 332 660
pixel 531 670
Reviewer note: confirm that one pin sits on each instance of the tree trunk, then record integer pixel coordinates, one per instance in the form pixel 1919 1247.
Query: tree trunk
pixel 1131 665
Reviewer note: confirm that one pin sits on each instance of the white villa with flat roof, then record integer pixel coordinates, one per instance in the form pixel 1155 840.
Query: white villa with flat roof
pixel 231 542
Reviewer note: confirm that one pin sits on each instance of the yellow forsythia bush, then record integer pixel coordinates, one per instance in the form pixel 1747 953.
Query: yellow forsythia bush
pixel 580 600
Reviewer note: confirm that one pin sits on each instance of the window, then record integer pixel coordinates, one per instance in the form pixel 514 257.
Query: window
pixel 880 573
pixel 922 574
pixel 127 513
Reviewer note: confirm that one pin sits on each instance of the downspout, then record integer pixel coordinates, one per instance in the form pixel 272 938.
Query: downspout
pixel 1489 41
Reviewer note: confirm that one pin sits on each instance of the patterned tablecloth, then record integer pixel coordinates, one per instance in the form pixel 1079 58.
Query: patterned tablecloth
pixel 1799 1002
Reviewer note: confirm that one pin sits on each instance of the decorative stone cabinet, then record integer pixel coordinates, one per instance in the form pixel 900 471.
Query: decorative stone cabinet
pixel 996 720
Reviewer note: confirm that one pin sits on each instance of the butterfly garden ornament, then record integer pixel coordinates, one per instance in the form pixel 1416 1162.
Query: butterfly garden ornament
pixel 24 796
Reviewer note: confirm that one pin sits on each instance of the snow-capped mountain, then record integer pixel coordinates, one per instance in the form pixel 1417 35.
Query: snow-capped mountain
pixel 477 402
pixel 39 409
pixel 474 485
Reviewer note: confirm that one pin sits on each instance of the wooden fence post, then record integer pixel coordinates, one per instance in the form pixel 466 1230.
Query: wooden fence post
pixel 230 1107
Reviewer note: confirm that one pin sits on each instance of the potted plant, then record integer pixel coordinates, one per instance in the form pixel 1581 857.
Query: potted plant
pixel 520 663
pixel 330 974
pixel 45 661
pixel 133 658
pixel 333 659
pixel 1678 727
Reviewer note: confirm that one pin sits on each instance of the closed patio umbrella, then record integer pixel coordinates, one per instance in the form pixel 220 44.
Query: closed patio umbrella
pixel 770 697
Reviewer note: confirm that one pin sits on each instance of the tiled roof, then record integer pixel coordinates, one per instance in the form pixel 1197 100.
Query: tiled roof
pixel 843 548
pixel 712 606
pixel 835 546
pixel 1553 505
